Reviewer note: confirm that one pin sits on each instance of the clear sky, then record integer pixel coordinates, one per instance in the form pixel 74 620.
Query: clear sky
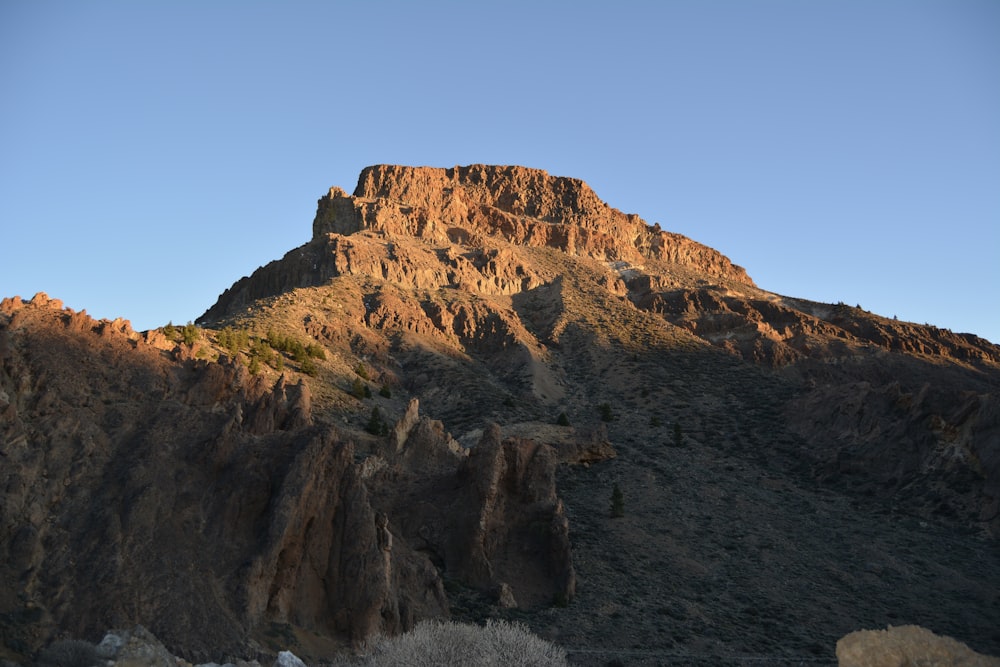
pixel 152 153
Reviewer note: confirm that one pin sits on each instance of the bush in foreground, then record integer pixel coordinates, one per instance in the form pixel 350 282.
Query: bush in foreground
pixel 70 653
pixel 445 643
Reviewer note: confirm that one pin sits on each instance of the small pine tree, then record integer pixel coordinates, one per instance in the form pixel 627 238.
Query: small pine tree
pixel 606 413
pixel 617 502
pixel 563 420
pixel 189 334
pixel 358 389
pixel 376 425
pixel 678 437
pixel 254 366
pixel 170 331
pixel 385 392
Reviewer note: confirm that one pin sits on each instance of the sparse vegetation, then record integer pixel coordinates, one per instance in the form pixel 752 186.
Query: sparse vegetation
pixel 261 350
pixel 445 644
pixel 308 366
pixel 233 341
pixel 302 354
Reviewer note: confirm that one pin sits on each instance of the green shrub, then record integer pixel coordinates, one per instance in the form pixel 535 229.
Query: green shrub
pixel 70 653
pixel 376 425
pixel 359 389
pixel 606 412
pixel 678 437
pixel 189 334
pixel 308 366
pixel 617 502
pixel 385 392
pixel 563 420
pixel 170 331
pixel 361 371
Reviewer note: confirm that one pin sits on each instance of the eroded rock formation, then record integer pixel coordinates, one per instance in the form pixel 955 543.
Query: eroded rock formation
pixel 467 220
pixel 152 486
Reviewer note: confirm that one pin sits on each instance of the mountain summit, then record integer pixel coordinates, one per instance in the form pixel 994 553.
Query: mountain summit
pixel 481 392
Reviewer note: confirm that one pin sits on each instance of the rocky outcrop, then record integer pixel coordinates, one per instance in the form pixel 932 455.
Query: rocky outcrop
pixel 466 205
pixel 427 228
pixel 475 520
pixel 778 331
pixel 151 486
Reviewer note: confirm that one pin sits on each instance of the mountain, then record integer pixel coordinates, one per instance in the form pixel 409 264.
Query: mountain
pixel 424 410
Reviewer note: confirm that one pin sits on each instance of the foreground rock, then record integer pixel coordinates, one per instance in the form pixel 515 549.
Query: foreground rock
pixel 904 646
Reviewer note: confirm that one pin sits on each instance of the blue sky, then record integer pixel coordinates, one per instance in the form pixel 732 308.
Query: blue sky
pixel 152 153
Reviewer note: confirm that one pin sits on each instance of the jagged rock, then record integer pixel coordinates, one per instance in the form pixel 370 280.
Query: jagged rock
pixel 907 645
pixel 191 499
pixel 224 484
pixel 474 519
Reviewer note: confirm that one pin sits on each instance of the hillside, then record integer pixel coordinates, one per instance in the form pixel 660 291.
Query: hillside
pixel 423 410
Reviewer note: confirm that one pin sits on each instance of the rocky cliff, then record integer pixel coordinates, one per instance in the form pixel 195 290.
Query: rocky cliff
pixel 144 482
pixel 487 211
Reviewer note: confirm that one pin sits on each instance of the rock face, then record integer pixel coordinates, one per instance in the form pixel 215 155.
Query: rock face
pixel 158 487
pixel 476 520
pixel 479 206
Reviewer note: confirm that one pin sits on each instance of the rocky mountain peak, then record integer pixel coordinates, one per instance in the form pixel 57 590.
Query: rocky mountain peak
pixel 465 205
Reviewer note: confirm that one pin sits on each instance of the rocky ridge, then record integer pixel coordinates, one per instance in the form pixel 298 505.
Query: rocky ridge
pixel 145 482
pixel 568 347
